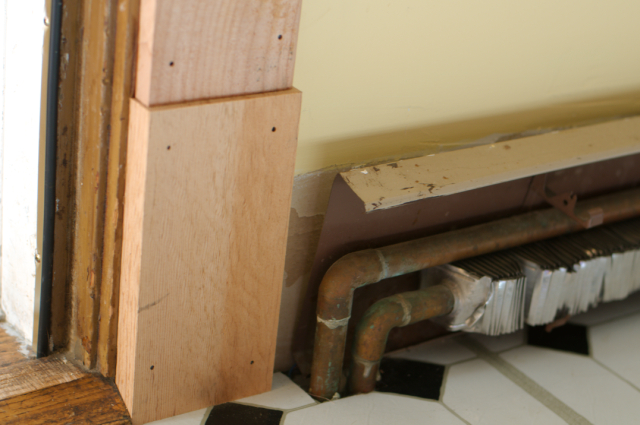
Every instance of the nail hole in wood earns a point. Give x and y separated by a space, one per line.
171 63
251 361
169 147
152 367
280 37
273 129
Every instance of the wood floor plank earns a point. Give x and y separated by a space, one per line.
11 358
52 390
36 374
89 400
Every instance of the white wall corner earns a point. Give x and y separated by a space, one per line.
24 29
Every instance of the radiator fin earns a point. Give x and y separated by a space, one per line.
539 282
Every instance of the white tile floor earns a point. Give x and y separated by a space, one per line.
487 381
482 395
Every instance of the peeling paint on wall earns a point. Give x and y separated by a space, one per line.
311 192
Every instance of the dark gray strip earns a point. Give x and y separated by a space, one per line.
569 415
49 187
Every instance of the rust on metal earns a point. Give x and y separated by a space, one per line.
361 268
566 202
388 313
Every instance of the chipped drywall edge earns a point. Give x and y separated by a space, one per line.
302 243
311 192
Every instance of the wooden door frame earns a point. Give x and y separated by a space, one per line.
96 82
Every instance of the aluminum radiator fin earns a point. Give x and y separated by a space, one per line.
537 283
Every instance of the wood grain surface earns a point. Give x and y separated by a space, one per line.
66 145
122 90
206 213
36 374
89 400
94 75
202 49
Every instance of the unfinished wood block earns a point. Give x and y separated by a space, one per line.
201 49
205 228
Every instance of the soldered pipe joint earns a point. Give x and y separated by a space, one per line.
335 298
370 266
391 312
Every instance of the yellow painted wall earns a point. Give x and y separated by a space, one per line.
396 77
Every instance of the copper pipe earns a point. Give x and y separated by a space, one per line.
391 312
361 268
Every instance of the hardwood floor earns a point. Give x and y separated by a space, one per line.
36 374
89 400
53 390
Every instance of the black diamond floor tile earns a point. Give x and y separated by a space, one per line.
570 337
239 414
411 378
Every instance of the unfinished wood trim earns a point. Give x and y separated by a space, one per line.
205 228
137 149
66 150
202 49
95 74
389 185
122 91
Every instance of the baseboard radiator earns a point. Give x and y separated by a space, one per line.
541 282
492 278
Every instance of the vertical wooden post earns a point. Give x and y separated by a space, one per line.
126 36
206 214
96 83
208 187
94 104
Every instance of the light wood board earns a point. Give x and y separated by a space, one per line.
202 49
396 183
205 227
